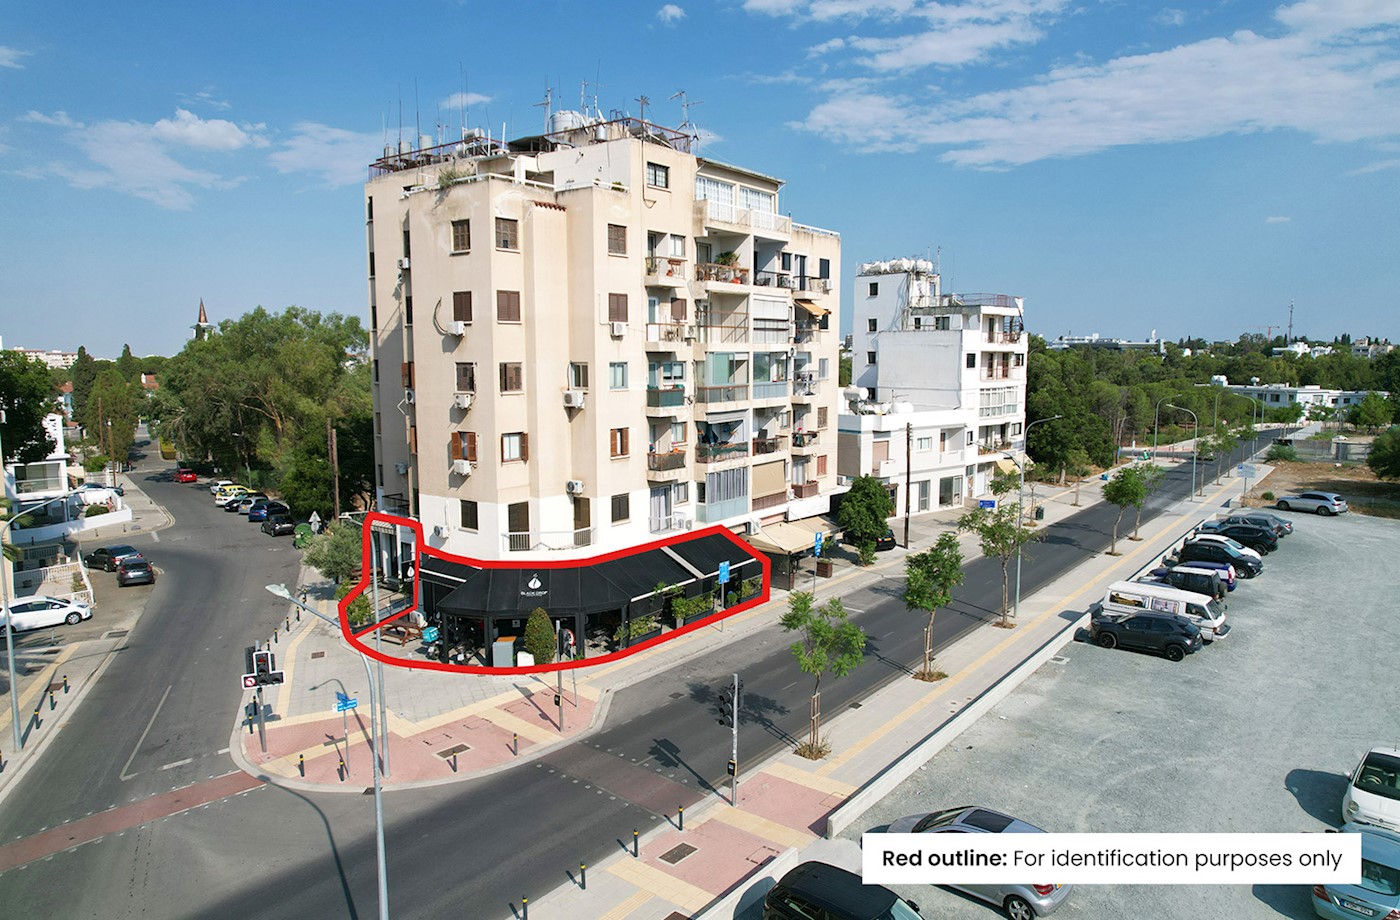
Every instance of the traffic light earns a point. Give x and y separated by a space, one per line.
265 670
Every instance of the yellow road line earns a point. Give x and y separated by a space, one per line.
40 685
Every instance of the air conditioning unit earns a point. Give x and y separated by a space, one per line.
618 329
574 487
410 397
573 399
683 521
690 333
403 264
401 469
457 328
440 531
462 467
462 400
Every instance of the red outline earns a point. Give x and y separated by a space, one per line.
354 637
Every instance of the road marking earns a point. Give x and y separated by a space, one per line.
124 776
178 763
221 751
156 537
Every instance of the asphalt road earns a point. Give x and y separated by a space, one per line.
471 849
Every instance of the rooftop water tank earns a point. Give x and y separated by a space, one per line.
566 120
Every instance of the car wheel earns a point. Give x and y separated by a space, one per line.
1108 640
1323 510
73 619
1282 506
1260 548
1175 653
1018 908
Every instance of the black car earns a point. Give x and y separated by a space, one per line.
108 558
1150 631
1260 539
885 541
816 889
1278 525
135 571
1213 551
278 525
1201 581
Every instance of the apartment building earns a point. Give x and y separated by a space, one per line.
938 399
592 339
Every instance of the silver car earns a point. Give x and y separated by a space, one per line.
1021 902
1316 502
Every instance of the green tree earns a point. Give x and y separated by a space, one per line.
929 580
336 554
1152 478
26 396
1373 413
1222 444
1124 489
844 371
865 512
359 611
129 366
540 640
1384 459
1077 466
827 642
1001 536
84 372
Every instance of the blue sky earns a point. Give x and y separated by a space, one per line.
1190 168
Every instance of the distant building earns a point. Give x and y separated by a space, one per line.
1280 395
1366 347
53 359
1152 343
202 326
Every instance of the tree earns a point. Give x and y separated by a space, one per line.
337 553
929 580
1077 465
865 512
26 396
358 611
1001 536
128 365
1384 459
540 640
1124 489
828 642
1152 476
1222 444
1373 413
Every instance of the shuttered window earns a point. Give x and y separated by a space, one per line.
617 442
617 308
512 379
461 235
507 306
462 306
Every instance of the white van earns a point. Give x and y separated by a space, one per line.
1125 597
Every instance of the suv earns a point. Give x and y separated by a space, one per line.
108 558
815 889
263 507
1246 566
1317 502
1260 539
277 525
1210 582
1171 635
1280 526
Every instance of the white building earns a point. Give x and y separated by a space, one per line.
939 386
1282 395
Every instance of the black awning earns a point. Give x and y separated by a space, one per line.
706 553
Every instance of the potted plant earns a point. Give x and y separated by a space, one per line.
638 629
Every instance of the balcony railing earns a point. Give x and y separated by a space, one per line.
41 484
520 541
768 445
394 504
761 502
729 393
714 512
993 447
1003 337
667 523
804 332
667 332
805 489
726 213
724 333
767 332
996 373
804 439
773 279
665 397
661 267
774 389
770 220
670 460
813 285
714 453
729 274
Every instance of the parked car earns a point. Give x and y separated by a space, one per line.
40 611
1208 581
1378 893
1316 502
1165 633
1373 794
1262 540
1281 527
184 475
108 558
216 484
1246 565
246 502
885 541
135 572
228 494
1124 598
98 487
1234 544
1226 570
277 525
261 509
1021 902
816 889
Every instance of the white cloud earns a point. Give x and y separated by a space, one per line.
190 130
339 157
670 13
774 7
1168 16
9 57
60 119
826 47
952 46
1277 220
458 100
1378 166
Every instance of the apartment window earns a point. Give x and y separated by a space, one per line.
408 311
658 176
680 493
923 444
379 474
469 518
507 306
378 424
578 376
787 262
678 434
870 357
617 240
970 437
824 268
515 446
617 375
373 314
972 359
461 236
874 288
406 373
677 310
507 233
369 209
466 377
942 323
405 244
462 306
821 416
617 442
821 465
870 324
621 508
617 308
677 246
1015 429
1019 360
823 368
374 370
512 378
371 263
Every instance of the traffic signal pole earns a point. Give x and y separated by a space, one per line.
734 749
262 723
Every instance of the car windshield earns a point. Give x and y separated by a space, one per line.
900 911
1379 775
1381 879
937 819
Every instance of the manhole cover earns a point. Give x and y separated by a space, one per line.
1059 659
855 705
677 695
453 751
318 654
114 633
677 853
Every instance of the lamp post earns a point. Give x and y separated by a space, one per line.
282 592
1155 419
1195 445
1020 506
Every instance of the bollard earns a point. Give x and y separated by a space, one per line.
303 600
454 763
342 769
680 818
289 624
515 743
582 877
301 764
635 852
65 683
53 703
524 908
37 722
274 635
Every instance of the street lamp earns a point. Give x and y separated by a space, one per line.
1155 419
1195 444
1020 505
282 592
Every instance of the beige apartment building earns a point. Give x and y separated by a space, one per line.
591 339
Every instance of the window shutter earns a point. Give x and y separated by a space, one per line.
406 370
524 447
457 446
678 309
470 446
624 442
462 306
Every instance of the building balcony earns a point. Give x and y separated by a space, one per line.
669 523
763 223
762 502
394 504
660 271
999 373
807 284
804 333
804 441
734 392
1003 337
659 461
665 397
771 389
992 447
806 389
768 445
780 280
808 489
733 333
716 453
666 336
527 541
713 272
884 469
714 512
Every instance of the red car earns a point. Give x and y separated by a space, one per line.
185 476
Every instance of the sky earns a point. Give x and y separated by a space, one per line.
1126 167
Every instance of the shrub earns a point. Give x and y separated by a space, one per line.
539 637
359 611
1282 452
1267 496
96 463
637 626
751 586
95 510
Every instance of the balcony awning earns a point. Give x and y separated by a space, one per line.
1006 466
781 538
810 307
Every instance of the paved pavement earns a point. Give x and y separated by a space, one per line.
447 728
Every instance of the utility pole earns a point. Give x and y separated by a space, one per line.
335 464
908 473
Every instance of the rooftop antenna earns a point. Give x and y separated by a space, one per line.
1290 321
417 116
547 104
643 101
686 126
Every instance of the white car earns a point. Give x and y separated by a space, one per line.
40 611
1233 544
1373 793
218 484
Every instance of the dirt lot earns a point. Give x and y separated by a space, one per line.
1365 494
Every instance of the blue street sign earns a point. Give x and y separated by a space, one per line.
430 634
987 503
347 703
817 547
724 572
341 697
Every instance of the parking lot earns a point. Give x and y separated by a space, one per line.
1254 733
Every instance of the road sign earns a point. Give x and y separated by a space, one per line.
987 503
817 546
724 572
250 681
341 697
1247 470
342 705
430 634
